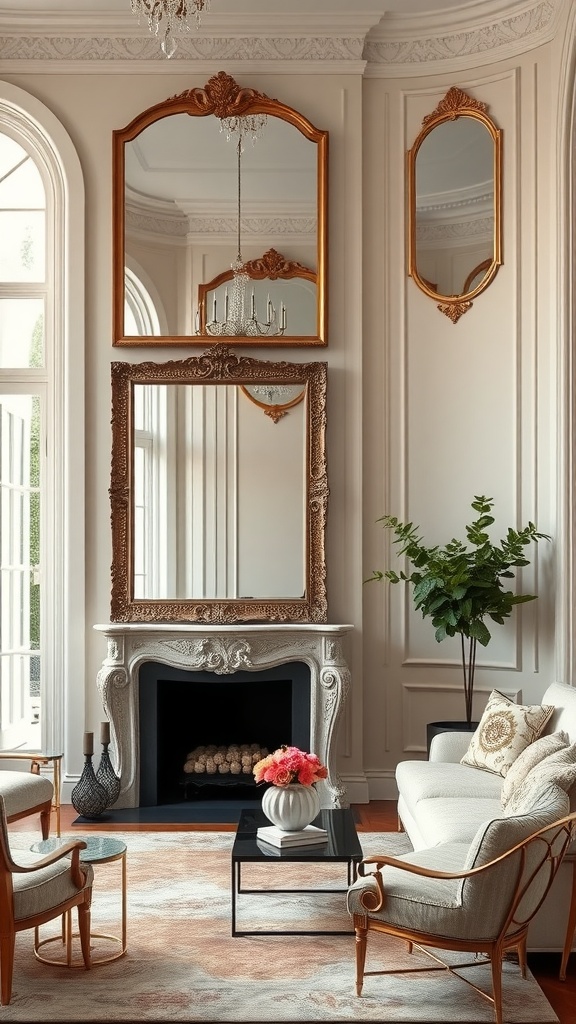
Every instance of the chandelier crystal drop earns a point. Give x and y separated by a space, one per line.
240 312
165 17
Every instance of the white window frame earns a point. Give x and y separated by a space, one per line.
63 595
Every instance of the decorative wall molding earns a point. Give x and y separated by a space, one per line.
402 43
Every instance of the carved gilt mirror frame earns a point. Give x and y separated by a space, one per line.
220 367
273 210
455 203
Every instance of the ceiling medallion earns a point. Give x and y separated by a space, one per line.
165 17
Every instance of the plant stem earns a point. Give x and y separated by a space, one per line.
468 669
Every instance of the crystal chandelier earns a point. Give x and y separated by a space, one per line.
167 16
240 314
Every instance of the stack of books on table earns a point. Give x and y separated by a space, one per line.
287 840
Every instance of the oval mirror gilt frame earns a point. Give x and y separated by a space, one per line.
218 365
221 97
456 104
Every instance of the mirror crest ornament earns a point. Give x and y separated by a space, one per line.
224 374
454 172
143 215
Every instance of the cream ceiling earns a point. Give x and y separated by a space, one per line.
312 7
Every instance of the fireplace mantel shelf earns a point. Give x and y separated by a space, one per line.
223 650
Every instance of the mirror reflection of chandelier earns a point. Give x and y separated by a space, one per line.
164 17
240 318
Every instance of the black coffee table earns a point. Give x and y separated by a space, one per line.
343 846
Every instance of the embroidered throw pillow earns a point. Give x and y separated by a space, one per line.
504 731
558 769
532 755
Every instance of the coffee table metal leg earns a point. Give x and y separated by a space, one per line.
235 883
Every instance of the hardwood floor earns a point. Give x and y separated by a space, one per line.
377 816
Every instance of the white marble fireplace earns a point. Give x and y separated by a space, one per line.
223 650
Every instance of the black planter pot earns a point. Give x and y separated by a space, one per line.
434 728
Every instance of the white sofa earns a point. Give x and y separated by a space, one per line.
442 801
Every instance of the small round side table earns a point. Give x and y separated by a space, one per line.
99 850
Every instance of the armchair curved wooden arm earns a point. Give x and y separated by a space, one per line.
520 879
32 894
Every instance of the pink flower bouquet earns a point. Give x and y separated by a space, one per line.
288 765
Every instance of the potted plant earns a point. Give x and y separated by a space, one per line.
460 587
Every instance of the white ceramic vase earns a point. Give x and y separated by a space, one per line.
291 807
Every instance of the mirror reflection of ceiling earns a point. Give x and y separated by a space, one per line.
455 167
188 162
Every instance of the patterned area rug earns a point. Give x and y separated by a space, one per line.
183 964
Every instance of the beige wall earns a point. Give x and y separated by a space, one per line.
422 413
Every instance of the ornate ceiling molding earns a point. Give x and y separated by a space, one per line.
377 44
403 44
77 43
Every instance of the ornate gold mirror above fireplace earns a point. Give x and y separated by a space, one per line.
212 179
218 512
455 203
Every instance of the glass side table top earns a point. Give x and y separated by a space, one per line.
98 848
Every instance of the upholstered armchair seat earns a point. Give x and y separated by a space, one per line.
25 793
47 888
23 790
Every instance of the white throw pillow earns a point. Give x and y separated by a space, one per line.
532 755
504 731
558 769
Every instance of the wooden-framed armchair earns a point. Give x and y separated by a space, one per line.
476 899
35 890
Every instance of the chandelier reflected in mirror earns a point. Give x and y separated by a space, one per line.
240 315
165 17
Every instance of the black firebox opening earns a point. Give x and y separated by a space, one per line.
180 710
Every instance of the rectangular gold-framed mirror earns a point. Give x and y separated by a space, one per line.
218 490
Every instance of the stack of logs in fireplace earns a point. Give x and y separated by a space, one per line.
234 759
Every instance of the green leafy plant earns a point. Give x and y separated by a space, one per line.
459 586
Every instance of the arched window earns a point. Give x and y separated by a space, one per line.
41 426
140 313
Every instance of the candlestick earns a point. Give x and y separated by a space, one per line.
214 309
283 317
226 306
253 305
88 744
105 732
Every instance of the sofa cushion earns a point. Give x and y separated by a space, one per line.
454 819
532 755
528 797
421 780
558 769
504 731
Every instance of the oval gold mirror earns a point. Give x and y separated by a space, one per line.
455 203
218 512
204 184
